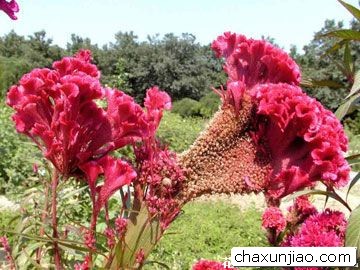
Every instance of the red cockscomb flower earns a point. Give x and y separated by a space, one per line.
268 136
10 8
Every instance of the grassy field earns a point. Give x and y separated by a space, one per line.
207 230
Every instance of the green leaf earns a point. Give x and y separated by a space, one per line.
352 236
143 232
353 10
356 86
334 48
347 59
353 159
331 194
159 263
343 34
310 83
352 183
348 107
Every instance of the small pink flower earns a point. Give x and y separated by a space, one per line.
89 239
120 226
110 235
140 256
10 8
84 265
300 211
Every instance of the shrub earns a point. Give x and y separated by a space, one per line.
209 104
186 107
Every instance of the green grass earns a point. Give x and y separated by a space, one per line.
207 230
178 132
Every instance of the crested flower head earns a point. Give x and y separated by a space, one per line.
57 108
268 135
10 8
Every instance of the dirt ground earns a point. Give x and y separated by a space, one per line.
258 201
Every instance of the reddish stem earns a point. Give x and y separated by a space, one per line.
43 220
54 184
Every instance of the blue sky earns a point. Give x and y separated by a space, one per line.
288 21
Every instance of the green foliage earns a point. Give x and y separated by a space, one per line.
353 123
209 231
352 238
186 107
205 107
179 132
209 104
17 155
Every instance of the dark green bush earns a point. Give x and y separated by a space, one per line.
205 107
209 104
186 107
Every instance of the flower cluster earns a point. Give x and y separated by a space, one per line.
268 136
304 226
274 222
325 229
273 219
163 178
10 8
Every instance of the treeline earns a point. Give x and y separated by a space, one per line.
177 64
180 65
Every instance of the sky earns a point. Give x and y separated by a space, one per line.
290 22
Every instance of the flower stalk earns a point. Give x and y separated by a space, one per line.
54 185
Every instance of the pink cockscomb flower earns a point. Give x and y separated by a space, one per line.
274 222
210 265
10 8
57 109
306 142
5 244
325 229
268 136
273 219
